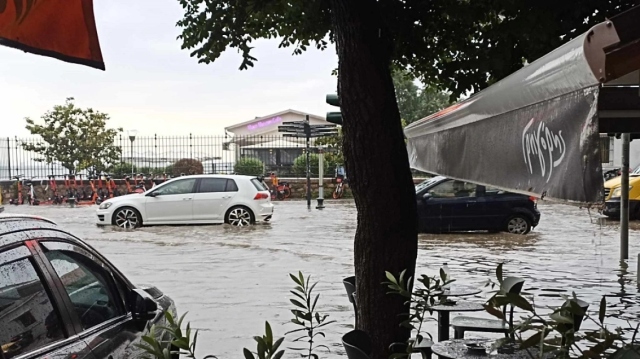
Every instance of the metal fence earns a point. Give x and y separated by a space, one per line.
158 154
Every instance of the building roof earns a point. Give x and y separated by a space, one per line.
241 124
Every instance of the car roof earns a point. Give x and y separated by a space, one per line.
16 228
215 176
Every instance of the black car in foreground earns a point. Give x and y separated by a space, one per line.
59 298
447 205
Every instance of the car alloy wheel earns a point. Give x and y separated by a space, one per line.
239 217
518 225
127 218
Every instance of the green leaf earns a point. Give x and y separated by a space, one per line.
533 340
279 355
298 304
296 280
248 354
391 278
494 311
519 301
603 309
558 317
269 335
499 273
277 344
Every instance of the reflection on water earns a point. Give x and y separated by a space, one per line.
231 280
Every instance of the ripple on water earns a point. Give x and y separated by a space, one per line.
231 280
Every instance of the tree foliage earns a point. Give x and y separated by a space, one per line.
300 165
187 166
76 138
458 45
416 101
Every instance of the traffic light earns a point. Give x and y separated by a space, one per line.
334 117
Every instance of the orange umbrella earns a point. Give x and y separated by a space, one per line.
63 29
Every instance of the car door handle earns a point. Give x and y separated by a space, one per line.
226 197
187 199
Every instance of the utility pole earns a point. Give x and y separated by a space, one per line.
307 132
624 199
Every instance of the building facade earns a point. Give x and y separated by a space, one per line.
260 138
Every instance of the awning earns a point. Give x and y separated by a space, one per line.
64 29
537 131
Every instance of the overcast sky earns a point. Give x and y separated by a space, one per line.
153 86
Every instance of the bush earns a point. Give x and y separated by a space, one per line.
300 166
249 166
188 166
122 169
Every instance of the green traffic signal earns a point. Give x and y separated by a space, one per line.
334 117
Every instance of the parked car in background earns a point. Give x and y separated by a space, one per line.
447 205
613 192
197 199
59 298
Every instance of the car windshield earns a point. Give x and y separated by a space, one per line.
636 171
422 185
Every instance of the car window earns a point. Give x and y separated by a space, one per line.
178 187
259 185
232 186
491 191
208 185
422 185
28 320
87 286
453 189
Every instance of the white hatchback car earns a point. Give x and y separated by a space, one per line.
198 199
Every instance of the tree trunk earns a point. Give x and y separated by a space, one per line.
377 166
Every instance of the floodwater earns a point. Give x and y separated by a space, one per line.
232 280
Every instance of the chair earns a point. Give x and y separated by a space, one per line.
357 344
350 287
463 324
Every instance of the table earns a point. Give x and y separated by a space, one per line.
443 315
460 291
455 349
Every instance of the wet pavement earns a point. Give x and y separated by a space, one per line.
231 280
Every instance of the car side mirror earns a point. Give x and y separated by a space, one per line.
427 196
143 307
152 194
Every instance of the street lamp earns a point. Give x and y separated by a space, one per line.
132 137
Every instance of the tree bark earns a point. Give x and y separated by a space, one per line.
378 169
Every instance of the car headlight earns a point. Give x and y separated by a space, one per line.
618 192
105 205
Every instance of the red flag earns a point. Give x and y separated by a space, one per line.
64 29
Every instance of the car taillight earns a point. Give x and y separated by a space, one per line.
261 195
533 199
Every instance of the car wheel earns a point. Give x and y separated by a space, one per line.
518 224
239 216
127 218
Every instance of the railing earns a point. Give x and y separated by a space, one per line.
158 155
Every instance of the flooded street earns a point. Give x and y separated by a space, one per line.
231 280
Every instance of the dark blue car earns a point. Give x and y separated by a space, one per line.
447 205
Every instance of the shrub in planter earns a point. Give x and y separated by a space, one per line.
249 166
188 166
